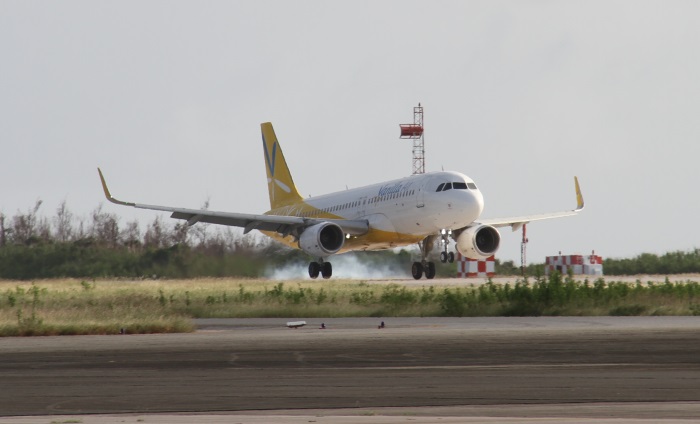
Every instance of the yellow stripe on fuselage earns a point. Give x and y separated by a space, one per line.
374 239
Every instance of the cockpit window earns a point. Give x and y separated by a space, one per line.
457 185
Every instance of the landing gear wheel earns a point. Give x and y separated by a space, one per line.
326 270
443 257
430 271
451 257
314 269
417 270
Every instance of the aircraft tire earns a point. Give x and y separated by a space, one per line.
326 270
417 270
430 271
443 257
451 257
314 269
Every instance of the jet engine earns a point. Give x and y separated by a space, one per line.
322 239
478 242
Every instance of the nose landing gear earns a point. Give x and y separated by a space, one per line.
446 256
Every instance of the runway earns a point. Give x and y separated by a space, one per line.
573 368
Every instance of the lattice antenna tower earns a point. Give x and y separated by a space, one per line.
523 252
414 132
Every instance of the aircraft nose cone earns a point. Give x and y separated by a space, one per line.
479 199
471 205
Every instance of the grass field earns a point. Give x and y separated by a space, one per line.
62 307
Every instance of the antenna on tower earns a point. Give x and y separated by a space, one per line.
414 132
523 251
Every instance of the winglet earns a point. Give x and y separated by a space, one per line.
108 195
579 196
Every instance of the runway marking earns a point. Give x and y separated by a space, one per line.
511 366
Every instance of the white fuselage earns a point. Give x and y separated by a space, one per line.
401 211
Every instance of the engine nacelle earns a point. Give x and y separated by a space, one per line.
322 239
478 242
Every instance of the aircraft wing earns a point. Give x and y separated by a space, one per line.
517 222
283 224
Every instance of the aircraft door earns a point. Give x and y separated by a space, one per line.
362 207
420 198
420 194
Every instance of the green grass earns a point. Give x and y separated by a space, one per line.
63 307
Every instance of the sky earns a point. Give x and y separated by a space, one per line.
167 98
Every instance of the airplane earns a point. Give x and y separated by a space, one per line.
421 208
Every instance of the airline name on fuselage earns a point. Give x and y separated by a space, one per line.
387 189
394 188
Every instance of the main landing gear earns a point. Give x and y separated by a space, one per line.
424 266
324 268
419 268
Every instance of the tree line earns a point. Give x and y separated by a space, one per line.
677 262
34 246
66 245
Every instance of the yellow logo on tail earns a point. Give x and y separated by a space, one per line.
283 192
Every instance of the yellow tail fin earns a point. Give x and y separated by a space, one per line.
279 180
